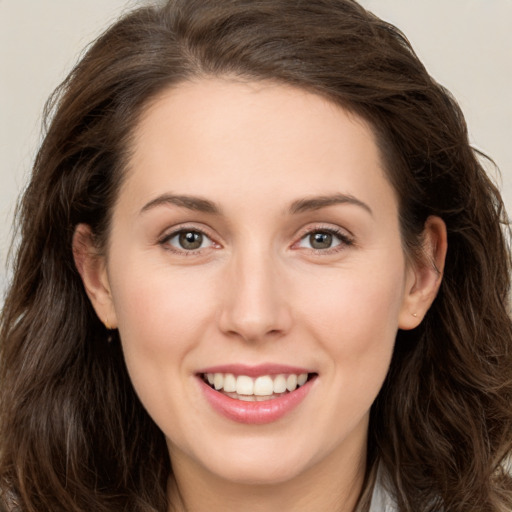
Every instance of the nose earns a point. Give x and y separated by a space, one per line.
255 303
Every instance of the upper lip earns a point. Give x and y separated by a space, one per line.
255 370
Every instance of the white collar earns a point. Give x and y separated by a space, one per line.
382 500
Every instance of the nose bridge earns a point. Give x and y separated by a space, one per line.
255 305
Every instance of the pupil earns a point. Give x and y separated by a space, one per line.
191 240
321 240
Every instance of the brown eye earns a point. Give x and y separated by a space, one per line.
324 239
321 240
188 240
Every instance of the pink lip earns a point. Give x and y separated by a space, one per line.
255 371
255 413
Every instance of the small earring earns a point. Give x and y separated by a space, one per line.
415 315
109 328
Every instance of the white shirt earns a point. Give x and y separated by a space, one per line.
381 500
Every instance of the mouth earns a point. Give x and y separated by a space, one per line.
256 395
259 388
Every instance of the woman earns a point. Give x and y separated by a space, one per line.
260 268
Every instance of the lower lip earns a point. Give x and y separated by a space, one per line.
255 413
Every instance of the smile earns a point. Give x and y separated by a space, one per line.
264 387
264 396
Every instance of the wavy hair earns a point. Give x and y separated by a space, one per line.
74 436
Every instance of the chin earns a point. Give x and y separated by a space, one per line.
256 474
257 465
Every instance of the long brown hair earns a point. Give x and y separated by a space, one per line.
73 434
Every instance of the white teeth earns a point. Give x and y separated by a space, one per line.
291 382
280 383
244 385
218 381
301 379
246 398
262 386
229 383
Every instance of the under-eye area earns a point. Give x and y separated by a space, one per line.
258 389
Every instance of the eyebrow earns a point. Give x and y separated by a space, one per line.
299 206
318 202
190 202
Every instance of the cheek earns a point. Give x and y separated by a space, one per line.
355 319
363 306
155 299
160 322
357 330
160 317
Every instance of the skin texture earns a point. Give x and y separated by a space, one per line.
256 291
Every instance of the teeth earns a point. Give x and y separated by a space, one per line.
302 378
280 383
244 385
291 382
262 386
229 383
218 381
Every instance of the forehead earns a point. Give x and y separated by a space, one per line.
210 136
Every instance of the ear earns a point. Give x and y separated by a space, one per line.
93 270
424 276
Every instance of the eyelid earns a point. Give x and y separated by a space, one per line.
345 237
169 234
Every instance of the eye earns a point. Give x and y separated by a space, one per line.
324 239
188 240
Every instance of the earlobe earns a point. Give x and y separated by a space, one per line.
92 269
424 276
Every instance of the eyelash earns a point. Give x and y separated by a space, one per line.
165 241
344 240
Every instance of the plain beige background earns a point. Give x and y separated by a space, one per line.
465 44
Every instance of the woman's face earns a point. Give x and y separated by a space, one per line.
256 236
